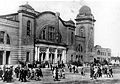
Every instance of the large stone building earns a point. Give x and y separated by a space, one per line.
29 35
102 54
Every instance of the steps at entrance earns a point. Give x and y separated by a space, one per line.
47 72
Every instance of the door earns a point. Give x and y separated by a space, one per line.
7 57
1 57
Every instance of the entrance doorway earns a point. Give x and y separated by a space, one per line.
1 57
7 57
51 57
59 57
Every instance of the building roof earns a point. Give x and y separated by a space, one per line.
85 10
27 6
70 21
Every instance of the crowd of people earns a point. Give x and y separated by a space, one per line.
58 71
97 71
7 73
28 72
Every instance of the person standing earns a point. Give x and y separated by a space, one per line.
111 72
1 73
56 77
91 72
82 71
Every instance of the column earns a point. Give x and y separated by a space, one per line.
47 54
38 51
56 56
42 56
4 57
64 56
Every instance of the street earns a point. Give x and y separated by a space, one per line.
72 78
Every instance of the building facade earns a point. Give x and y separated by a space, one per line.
102 54
29 35
115 61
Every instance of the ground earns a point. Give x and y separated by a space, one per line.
72 78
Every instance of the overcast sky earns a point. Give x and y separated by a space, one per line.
106 13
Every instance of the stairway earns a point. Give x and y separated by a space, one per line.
47 72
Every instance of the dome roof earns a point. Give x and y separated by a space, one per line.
85 10
27 6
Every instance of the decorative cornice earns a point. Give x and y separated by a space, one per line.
50 43
84 23
81 19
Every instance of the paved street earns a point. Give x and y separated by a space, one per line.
72 78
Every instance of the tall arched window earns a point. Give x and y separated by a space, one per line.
43 34
8 39
28 27
49 33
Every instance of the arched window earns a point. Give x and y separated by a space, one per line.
43 34
79 48
71 37
2 36
98 52
49 33
28 27
8 39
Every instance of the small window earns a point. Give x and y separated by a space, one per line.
81 49
76 56
98 52
82 31
82 57
71 57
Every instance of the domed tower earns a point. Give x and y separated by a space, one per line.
85 29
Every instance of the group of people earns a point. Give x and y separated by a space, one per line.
99 71
58 71
74 69
6 73
21 73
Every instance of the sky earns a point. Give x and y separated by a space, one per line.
106 13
